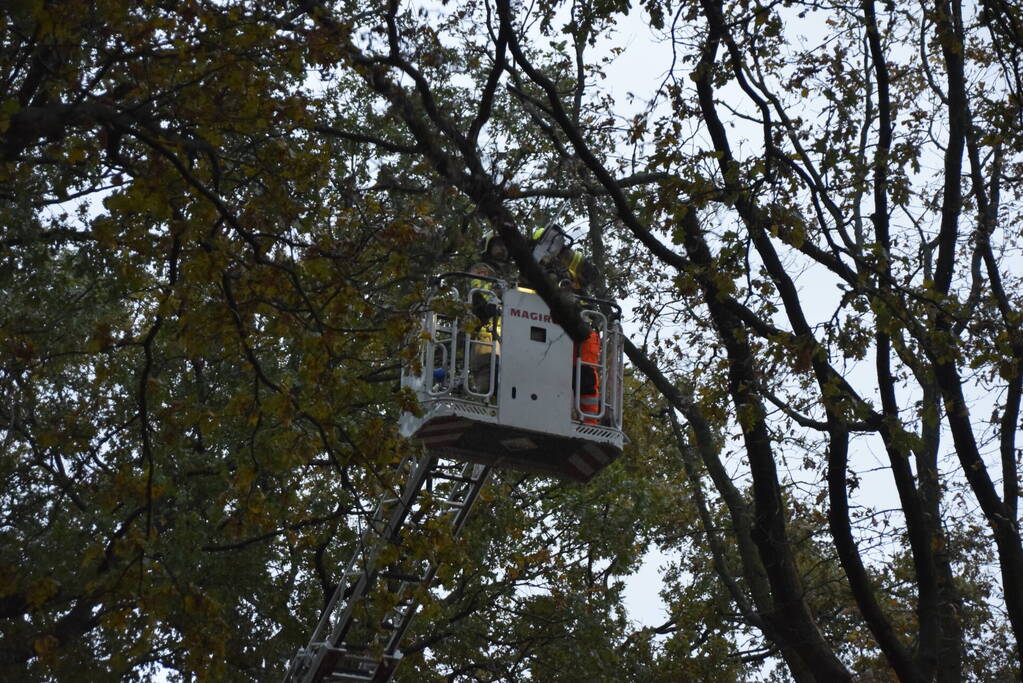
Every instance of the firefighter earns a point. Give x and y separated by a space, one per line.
486 337
573 271
493 263
494 253
552 250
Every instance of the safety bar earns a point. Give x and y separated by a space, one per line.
615 348
436 281
446 346
475 346
601 302
457 348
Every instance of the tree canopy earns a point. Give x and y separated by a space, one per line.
218 219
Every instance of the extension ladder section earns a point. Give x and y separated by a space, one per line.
358 636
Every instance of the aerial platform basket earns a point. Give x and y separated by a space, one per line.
499 383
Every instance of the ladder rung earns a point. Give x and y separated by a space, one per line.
346 676
349 650
354 647
454 477
401 609
400 576
363 665
350 662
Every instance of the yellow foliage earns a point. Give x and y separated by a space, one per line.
41 590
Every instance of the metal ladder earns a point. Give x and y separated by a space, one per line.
353 641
